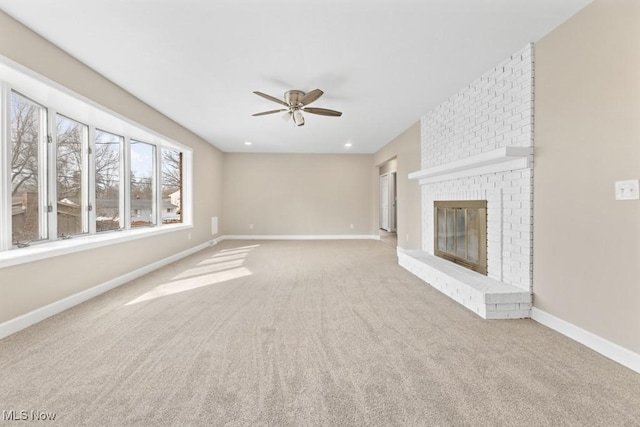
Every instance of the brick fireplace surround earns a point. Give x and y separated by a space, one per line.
478 145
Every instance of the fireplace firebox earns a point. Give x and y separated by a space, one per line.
461 233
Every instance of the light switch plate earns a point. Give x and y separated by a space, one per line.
628 190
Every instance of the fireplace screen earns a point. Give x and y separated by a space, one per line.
461 233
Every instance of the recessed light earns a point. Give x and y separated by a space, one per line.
347 145
248 143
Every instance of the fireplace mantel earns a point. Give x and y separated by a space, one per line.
499 160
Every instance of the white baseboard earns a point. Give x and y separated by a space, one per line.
299 237
21 322
608 349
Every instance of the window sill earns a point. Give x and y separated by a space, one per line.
63 247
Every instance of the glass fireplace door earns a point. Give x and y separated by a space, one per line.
461 233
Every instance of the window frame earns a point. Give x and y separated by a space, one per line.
155 201
44 180
161 182
57 99
93 131
85 200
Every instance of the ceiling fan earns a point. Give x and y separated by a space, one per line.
296 102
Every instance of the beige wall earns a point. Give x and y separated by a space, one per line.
587 135
297 194
26 287
405 149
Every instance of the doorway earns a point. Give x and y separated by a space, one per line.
388 202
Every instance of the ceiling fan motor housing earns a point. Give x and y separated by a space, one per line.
293 97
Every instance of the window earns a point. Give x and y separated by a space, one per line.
71 169
142 184
72 144
107 182
28 180
171 185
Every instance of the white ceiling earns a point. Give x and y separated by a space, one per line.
382 63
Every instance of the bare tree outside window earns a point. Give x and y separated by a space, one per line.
171 186
142 184
71 147
107 158
28 134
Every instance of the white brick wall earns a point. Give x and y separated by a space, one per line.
488 298
494 111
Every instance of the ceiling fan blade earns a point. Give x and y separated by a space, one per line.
323 112
311 96
271 98
269 112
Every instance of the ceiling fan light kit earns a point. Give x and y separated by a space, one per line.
296 102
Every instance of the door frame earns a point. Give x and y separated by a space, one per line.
384 197
388 210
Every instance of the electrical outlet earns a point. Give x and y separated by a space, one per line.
627 190
351 226
250 226
189 236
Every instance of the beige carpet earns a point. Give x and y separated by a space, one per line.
303 333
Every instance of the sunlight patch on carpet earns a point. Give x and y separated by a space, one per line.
219 258
206 269
192 283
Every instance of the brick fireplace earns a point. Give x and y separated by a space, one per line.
478 146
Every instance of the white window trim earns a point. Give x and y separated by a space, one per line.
91 196
52 188
44 164
78 244
58 98
5 170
